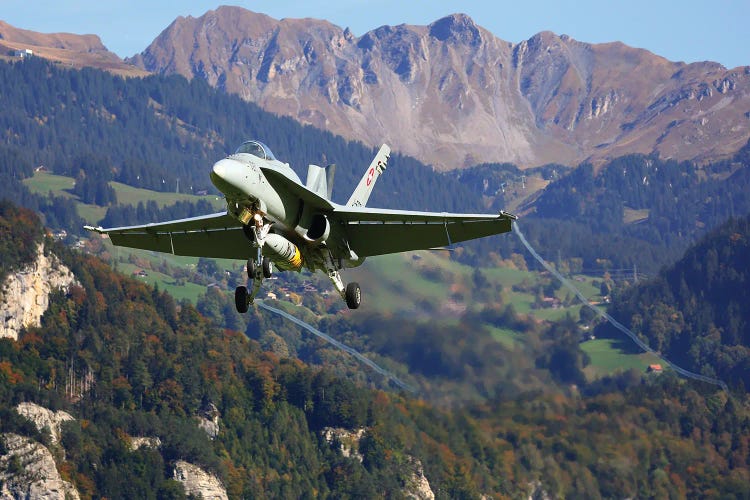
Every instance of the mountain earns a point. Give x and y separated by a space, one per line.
454 95
66 48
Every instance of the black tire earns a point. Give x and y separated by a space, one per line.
267 269
251 268
353 295
240 299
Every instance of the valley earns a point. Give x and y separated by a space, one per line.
519 390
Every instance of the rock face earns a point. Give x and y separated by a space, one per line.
209 420
417 485
453 94
136 443
45 419
199 482
347 441
26 293
27 470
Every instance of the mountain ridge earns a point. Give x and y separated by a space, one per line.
459 94
65 48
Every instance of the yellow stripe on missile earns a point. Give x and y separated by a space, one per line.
296 260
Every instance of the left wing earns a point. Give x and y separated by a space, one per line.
217 235
372 231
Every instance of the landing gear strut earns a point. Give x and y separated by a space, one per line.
258 267
351 293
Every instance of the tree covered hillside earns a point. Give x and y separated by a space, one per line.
128 361
150 132
695 311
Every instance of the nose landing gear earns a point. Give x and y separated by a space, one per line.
258 267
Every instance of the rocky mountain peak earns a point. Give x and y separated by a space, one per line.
458 28
452 94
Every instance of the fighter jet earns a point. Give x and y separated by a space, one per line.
272 219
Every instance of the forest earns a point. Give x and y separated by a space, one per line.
156 364
156 132
695 311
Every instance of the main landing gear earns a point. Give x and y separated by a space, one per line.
259 267
351 293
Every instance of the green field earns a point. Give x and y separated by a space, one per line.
128 195
44 182
190 291
607 358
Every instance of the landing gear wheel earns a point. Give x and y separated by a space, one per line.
267 269
251 268
353 295
240 299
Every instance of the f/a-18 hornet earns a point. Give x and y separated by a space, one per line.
272 217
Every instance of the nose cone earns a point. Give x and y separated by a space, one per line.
228 176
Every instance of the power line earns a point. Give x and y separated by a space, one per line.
339 345
614 322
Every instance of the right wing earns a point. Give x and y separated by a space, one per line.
372 231
217 235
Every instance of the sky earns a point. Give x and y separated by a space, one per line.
687 30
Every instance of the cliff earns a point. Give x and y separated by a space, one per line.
26 293
199 482
27 470
44 419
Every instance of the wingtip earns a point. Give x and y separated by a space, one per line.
508 215
98 229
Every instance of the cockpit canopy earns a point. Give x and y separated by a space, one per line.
256 148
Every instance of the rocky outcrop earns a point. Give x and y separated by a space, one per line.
208 420
345 440
453 94
136 443
26 293
45 419
198 482
416 484
27 470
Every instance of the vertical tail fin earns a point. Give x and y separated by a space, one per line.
330 173
362 192
320 180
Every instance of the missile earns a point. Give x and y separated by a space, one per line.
282 252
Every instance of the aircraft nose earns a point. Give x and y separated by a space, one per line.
230 177
219 170
223 175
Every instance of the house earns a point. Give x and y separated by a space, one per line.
140 273
656 368
23 53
